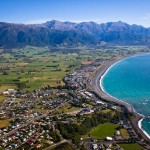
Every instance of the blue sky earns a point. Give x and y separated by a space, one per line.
100 11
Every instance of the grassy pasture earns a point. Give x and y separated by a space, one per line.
134 146
66 108
124 132
103 130
35 67
105 111
30 68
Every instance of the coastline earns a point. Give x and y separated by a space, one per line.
140 126
98 89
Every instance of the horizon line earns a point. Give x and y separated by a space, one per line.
38 22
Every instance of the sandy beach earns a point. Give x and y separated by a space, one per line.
95 86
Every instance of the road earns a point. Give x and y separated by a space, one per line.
29 122
55 145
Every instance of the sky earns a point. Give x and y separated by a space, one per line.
100 11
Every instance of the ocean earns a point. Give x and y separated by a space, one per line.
129 80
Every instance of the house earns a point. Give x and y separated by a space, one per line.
109 138
94 146
117 132
5 92
38 146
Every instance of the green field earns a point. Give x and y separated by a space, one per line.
131 146
66 108
108 111
103 130
30 68
124 133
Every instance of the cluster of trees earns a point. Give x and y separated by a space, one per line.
5 73
74 131
70 131
54 66
73 65
21 85
56 136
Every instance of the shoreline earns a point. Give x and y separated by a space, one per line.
140 126
98 89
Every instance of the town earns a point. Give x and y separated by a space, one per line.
48 117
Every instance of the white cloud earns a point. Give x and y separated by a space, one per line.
147 17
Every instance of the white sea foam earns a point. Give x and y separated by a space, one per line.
101 86
144 103
140 126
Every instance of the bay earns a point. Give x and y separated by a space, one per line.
129 80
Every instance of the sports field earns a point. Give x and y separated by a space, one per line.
103 130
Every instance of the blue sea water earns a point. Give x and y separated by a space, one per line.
129 80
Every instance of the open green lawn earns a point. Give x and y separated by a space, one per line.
124 132
103 130
108 111
65 109
131 146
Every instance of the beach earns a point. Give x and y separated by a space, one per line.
97 88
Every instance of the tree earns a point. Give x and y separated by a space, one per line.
21 85
5 73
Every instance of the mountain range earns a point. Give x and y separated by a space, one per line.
53 33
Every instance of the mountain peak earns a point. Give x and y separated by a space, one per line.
53 21
58 25
56 32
